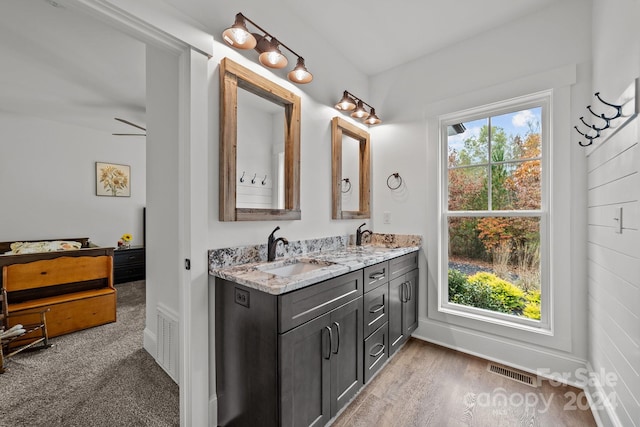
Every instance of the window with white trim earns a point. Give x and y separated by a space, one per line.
495 212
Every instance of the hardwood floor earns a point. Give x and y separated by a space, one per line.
428 385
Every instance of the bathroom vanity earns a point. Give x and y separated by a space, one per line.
297 339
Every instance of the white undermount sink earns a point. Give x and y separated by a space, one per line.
293 269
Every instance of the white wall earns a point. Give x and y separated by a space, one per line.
163 193
539 52
614 166
47 182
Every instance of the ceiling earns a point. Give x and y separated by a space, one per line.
62 65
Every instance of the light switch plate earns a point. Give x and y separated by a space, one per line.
617 217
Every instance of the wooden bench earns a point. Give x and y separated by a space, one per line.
77 290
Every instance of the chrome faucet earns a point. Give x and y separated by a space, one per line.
272 243
360 233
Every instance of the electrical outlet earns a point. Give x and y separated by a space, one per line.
386 217
242 297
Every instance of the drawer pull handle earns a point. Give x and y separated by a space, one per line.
376 309
132 257
338 331
410 289
379 352
328 356
376 276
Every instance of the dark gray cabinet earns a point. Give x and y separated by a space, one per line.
293 359
297 358
376 310
306 380
403 308
321 364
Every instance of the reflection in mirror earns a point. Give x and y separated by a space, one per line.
260 153
350 160
350 171
259 147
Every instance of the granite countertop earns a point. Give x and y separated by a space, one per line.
332 263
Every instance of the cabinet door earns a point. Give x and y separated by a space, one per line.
305 374
410 306
397 291
346 353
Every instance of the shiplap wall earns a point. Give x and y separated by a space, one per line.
614 272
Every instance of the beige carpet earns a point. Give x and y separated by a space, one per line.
97 377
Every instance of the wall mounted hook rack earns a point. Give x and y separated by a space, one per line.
626 107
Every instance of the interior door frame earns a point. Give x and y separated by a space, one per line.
125 16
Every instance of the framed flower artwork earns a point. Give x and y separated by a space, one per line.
113 180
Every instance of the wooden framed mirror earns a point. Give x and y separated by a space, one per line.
248 190
350 170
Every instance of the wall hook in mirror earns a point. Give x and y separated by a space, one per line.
264 181
398 179
242 177
347 182
617 107
253 180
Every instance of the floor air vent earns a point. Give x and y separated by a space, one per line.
513 374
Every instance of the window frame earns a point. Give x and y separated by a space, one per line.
541 100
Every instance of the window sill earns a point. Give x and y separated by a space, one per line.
476 315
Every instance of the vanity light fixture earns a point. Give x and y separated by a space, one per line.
350 102
267 46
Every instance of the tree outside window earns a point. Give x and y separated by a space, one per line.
493 213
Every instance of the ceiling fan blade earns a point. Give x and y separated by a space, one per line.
129 123
129 134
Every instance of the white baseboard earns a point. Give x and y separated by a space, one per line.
533 359
603 412
149 342
213 411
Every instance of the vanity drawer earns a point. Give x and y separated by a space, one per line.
300 306
403 264
376 309
375 351
376 275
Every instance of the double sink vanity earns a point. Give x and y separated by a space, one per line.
298 337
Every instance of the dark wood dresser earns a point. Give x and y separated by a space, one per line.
128 264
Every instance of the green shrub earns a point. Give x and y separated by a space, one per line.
506 297
532 308
457 282
488 291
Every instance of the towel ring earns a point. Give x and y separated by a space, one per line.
348 182
397 176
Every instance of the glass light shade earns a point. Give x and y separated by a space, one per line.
238 36
273 58
372 119
359 112
300 74
346 103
